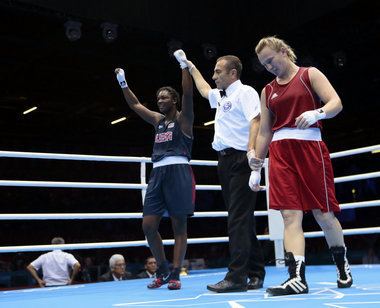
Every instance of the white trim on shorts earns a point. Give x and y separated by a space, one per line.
171 160
311 134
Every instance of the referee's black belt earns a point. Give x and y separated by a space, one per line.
228 151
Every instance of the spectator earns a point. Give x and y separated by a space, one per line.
89 270
117 270
150 268
55 266
370 257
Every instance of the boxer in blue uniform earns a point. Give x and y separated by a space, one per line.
171 187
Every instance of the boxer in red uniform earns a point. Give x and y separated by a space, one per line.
300 171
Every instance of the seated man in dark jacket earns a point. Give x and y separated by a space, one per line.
117 270
150 268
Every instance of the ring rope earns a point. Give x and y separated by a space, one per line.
143 186
60 184
73 216
41 155
204 240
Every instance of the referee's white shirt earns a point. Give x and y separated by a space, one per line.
55 267
233 115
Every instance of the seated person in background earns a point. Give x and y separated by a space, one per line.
150 268
56 266
117 270
89 272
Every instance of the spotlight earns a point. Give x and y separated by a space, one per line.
109 31
118 120
209 123
73 30
173 45
340 59
209 51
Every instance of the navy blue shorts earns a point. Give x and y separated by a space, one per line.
171 188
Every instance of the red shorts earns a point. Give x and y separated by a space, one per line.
301 176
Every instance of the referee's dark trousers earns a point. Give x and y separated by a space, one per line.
245 251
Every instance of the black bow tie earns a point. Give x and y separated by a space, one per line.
222 93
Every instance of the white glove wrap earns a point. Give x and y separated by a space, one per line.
254 180
121 78
254 163
181 58
313 116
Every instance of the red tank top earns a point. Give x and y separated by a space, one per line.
288 101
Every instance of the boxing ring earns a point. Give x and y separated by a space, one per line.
364 293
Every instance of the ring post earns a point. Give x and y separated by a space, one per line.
275 223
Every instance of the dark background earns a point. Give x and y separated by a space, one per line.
74 87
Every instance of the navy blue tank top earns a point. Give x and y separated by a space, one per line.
170 141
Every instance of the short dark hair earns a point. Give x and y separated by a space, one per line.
58 240
147 259
172 92
233 62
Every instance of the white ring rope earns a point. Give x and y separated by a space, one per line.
82 157
40 155
142 186
357 177
58 184
204 240
355 151
73 216
89 185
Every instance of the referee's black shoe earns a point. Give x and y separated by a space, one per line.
226 286
255 283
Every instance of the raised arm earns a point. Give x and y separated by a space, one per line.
146 114
201 84
186 116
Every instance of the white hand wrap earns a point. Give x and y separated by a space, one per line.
254 180
313 116
121 77
181 58
254 163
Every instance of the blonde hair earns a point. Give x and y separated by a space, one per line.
276 44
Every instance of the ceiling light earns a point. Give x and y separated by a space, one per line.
73 30
340 59
118 120
209 123
209 51
29 110
109 31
